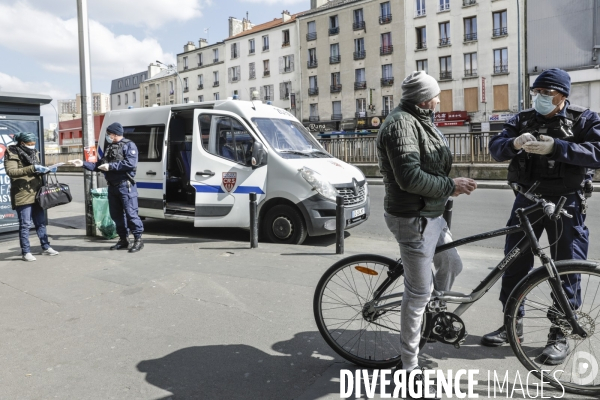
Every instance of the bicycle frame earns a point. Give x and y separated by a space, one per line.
467 300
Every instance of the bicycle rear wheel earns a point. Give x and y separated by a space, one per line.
344 310
579 372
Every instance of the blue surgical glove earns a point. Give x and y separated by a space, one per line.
53 170
41 169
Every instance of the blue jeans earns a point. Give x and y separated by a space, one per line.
27 214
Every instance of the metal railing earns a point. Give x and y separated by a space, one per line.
420 12
216 60
445 41
445 75
313 91
385 19
469 37
383 50
311 36
421 45
336 117
334 31
358 25
186 89
387 81
251 51
470 73
216 83
500 69
469 2
267 98
469 147
334 59
285 44
359 55
500 32
312 64
444 7
335 88
267 73
360 85
200 86
157 95
313 118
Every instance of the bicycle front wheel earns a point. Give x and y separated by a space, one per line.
361 330
544 323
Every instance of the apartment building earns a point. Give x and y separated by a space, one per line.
573 28
472 48
161 87
261 63
125 91
352 55
202 70
68 106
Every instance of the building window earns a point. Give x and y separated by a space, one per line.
186 99
500 28
470 64
444 5
311 29
334 53
185 63
420 8
386 44
267 92
471 99
215 78
359 49
215 55
422 66
252 69
334 25
470 29
127 82
360 79
120 84
314 112
118 99
336 107
388 105
421 37
200 59
285 88
200 82
233 74
286 64
265 41
135 80
216 96
134 97
336 82
500 97
387 75
361 108
234 50
186 87
126 98
266 68
172 86
359 22
312 58
444 33
285 38
251 47
445 68
313 88
385 15
500 61
200 98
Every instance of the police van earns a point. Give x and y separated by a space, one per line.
200 162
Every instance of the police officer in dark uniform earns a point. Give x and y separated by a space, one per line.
119 164
557 144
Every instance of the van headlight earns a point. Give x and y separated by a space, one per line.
319 183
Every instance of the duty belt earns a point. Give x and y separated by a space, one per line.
116 184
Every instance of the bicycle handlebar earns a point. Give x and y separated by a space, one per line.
551 210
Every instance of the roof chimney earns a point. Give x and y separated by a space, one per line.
153 69
189 46
202 43
285 15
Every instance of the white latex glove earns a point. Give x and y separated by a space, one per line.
77 163
521 140
544 146
104 167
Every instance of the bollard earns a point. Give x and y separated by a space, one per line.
340 224
253 222
448 212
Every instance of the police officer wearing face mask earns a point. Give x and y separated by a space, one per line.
119 164
557 144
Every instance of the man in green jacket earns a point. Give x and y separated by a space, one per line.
415 161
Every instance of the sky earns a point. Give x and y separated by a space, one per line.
39 49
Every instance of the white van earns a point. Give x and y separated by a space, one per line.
200 161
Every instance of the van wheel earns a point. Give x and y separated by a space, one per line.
284 224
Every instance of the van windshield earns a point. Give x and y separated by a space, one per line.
290 138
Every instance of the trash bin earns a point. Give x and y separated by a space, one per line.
102 219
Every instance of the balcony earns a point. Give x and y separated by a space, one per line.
235 78
385 19
336 117
445 75
251 51
420 12
267 73
334 59
265 48
334 31
285 44
500 69
383 50
312 63
387 81
500 32
359 85
200 86
313 91
215 60
287 69
313 118
470 73
421 45
186 89
445 42
467 3
335 88
267 98
360 114
357 26
444 7
470 37
216 83
311 36
359 55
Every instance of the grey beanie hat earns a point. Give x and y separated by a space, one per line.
419 87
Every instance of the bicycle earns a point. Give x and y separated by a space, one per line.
357 306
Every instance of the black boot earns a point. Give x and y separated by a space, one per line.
556 350
122 244
499 336
138 244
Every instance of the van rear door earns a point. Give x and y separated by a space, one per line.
221 170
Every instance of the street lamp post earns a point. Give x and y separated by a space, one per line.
171 67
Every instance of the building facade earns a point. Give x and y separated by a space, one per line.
352 57
202 71
67 106
573 28
100 103
125 91
161 87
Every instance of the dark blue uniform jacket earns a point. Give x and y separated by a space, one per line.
118 170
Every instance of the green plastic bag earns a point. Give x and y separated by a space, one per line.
102 219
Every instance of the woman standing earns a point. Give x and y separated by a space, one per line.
22 165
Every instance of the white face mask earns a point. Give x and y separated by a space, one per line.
30 147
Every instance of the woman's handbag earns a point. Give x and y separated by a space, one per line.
53 194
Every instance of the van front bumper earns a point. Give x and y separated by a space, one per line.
319 215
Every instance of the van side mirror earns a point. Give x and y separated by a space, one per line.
259 155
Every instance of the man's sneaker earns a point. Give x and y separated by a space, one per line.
556 350
420 381
28 257
50 252
499 336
